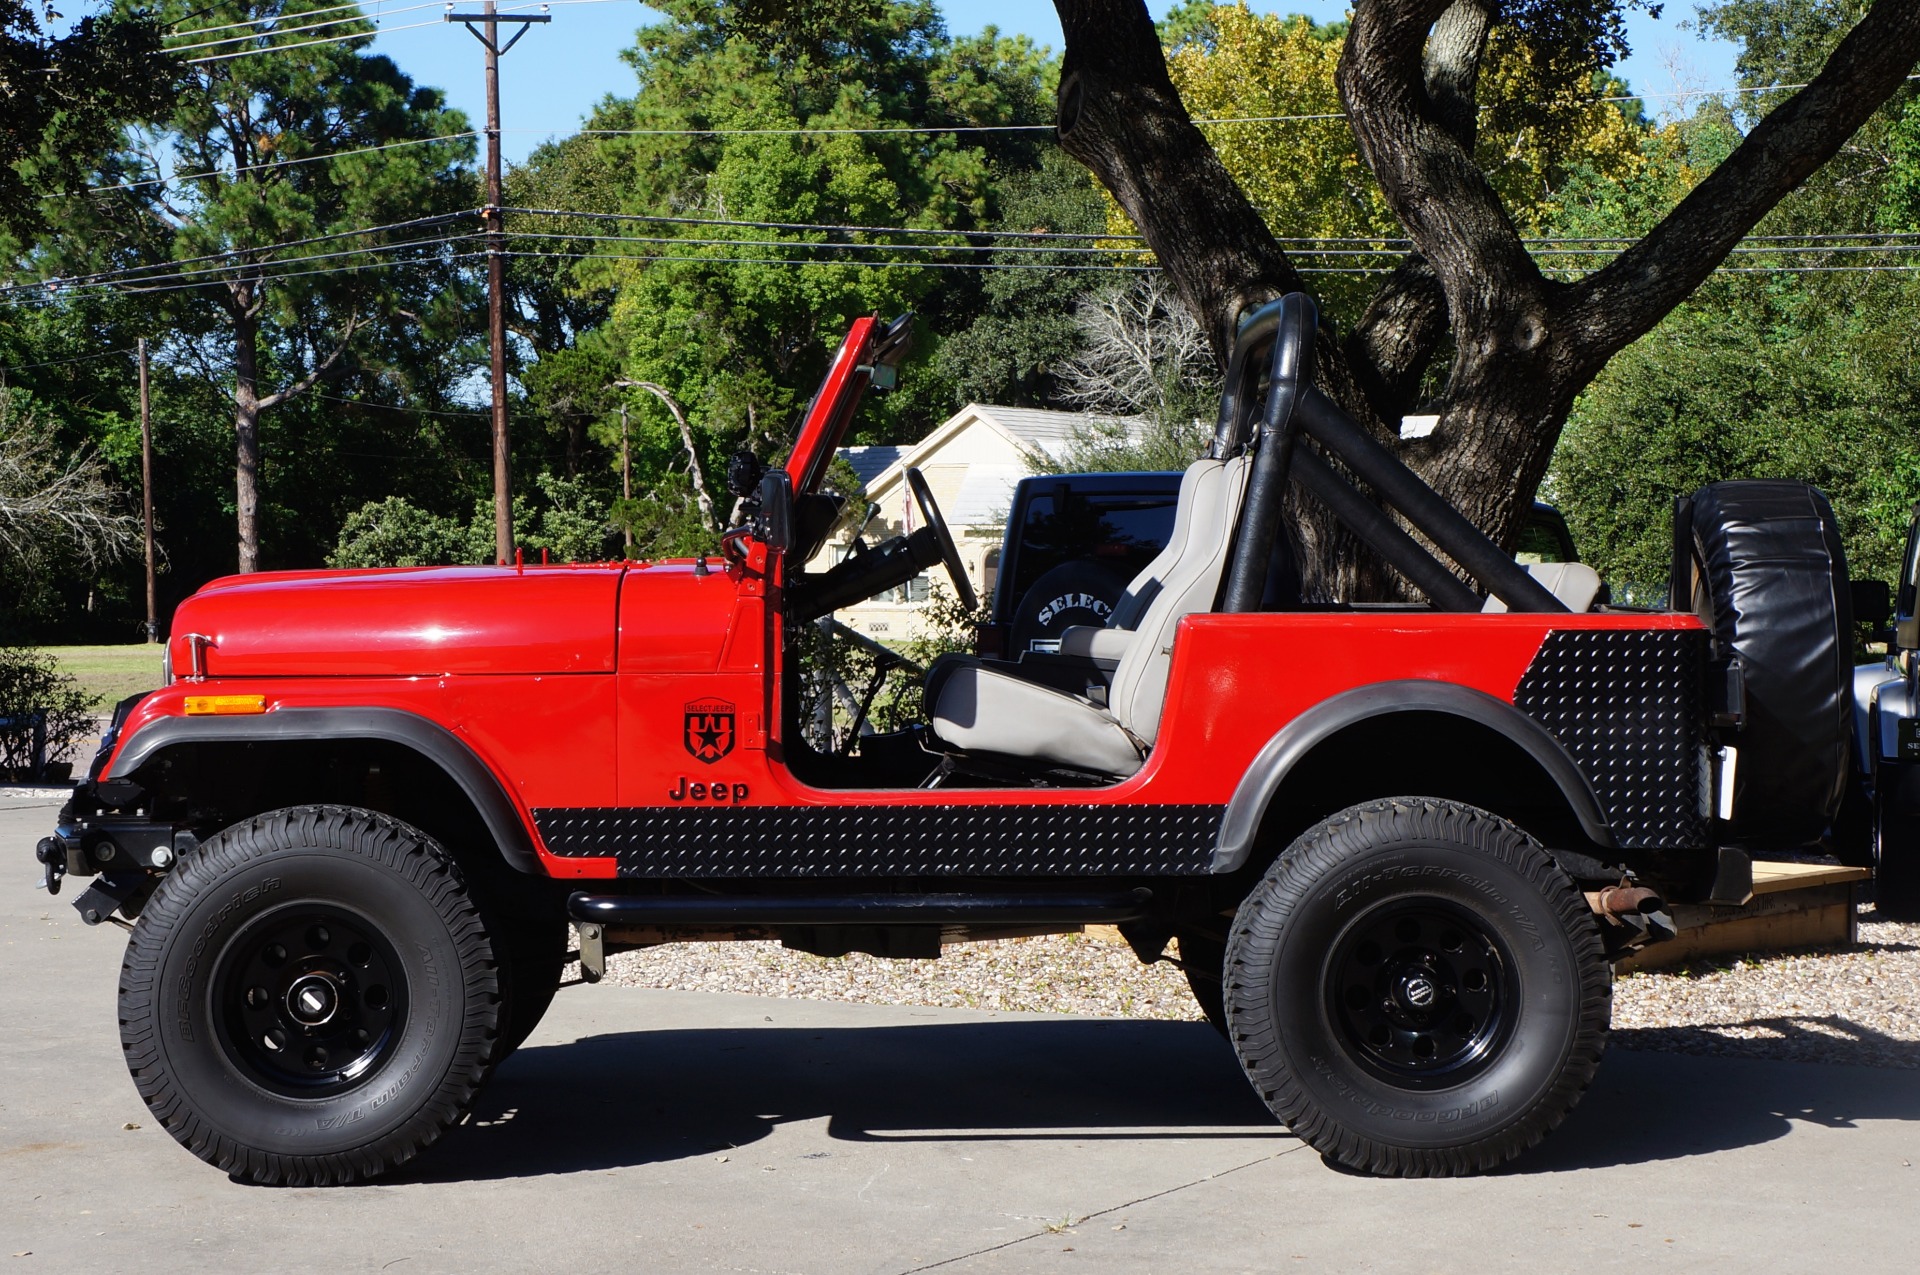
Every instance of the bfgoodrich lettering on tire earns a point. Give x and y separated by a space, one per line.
1416 988
310 997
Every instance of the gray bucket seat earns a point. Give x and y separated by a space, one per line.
978 707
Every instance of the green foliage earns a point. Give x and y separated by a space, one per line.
62 97
567 522
1011 354
394 533
1754 379
738 325
31 683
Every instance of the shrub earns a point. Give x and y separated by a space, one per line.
31 682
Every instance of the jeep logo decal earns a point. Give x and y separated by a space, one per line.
709 732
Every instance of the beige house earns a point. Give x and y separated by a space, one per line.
971 463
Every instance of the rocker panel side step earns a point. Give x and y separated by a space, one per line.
862 909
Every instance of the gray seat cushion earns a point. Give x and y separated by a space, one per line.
979 708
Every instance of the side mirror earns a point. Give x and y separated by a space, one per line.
744 472
1872 603
773 522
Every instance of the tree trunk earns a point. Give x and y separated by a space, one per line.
246 428
1523 346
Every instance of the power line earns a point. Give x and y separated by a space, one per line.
283 163
164 283
311 26
254 22
273 247
306 44
78 358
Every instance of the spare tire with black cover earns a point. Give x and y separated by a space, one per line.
1769 577
1074 593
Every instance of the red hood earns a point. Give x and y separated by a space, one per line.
407 621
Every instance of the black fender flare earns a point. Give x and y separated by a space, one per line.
1241 822
300 725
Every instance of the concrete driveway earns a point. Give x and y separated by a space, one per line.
663 1131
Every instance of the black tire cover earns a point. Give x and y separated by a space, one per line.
1771 583
1080 592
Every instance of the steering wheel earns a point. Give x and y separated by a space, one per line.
949 552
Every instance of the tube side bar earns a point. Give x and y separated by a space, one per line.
862 909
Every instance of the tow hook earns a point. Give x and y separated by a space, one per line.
53 854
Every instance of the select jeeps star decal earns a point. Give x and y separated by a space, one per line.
709 731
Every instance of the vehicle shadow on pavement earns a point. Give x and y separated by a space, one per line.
1648 1106
634 1098
640 1097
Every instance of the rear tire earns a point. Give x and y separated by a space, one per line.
1203 960
1416 989
310 997
533 955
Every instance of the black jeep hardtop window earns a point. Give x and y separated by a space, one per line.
1121 530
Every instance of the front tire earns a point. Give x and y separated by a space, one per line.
310 998
1416 989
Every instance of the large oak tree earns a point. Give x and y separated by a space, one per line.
1468 307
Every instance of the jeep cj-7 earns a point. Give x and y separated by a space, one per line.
1395 847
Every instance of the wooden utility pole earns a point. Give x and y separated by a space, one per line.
488 33
146 494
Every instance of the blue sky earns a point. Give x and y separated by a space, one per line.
557 74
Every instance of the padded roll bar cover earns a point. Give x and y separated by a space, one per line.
1240 395
1771 583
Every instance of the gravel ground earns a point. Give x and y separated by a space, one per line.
1857 1005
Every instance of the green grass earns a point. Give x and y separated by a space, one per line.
111 673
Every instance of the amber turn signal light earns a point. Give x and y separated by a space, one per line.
225 705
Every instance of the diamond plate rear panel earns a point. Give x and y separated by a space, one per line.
1626 704
929 841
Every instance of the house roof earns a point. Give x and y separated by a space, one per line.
871 462
1032 430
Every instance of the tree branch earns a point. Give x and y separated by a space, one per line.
312 378
694 469
1120 115
1618 303
1428 174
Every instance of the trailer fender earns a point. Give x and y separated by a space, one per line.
1308 731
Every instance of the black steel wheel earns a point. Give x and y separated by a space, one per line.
1422 991
1416 989
310 997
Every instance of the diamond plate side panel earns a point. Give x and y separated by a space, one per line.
1626 704
836 841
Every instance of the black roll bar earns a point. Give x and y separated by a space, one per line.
1420 505
1236 400
1294 406
1382 534
1291 374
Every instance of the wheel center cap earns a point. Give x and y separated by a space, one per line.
1418 991
312 1000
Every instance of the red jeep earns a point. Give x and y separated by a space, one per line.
1395 847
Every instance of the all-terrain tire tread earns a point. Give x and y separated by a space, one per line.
414 856
1264 915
